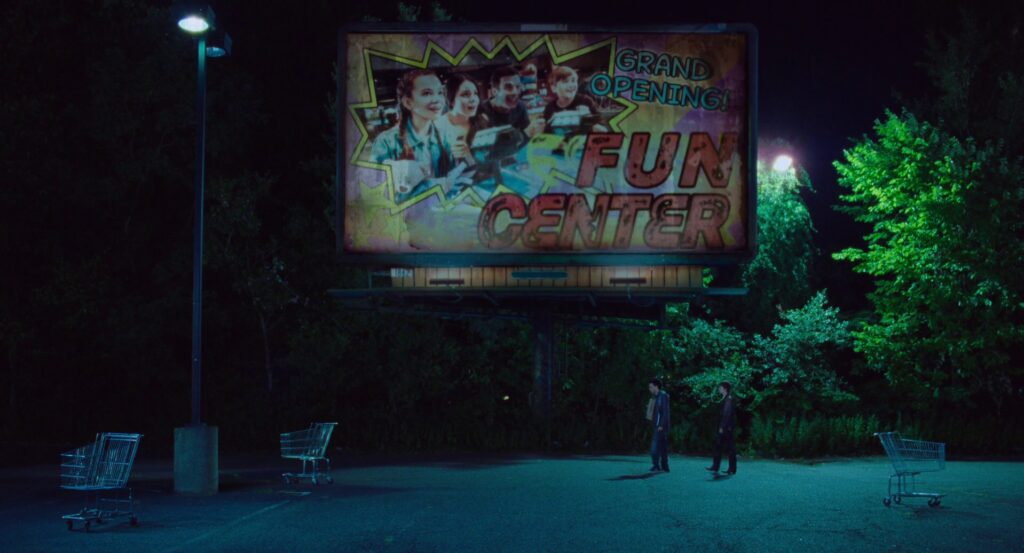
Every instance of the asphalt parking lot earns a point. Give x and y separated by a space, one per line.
531 503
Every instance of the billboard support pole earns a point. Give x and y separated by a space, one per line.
543 360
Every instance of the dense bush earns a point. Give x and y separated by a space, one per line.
808 437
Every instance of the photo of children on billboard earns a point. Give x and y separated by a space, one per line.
534 143
467 127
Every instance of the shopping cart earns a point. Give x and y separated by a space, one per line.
910 458
310 447
101 467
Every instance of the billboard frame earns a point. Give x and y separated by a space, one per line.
545 259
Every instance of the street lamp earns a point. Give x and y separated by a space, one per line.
194 24
194 17
195 447
218 44
782 163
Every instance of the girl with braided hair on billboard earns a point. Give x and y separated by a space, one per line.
419 155
464 118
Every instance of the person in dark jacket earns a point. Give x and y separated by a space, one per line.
725 431
661 420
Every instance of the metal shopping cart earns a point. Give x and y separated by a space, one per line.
910 458
310 447
101 467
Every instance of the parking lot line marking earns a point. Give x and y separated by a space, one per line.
180 546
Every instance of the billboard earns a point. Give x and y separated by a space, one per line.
546 147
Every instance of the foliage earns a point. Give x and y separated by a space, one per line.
789 371
976 72
944 248
803 436
603 375
795 365
969 434
779 276
412 12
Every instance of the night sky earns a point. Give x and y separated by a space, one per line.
827 71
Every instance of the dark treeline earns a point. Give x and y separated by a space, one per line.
97 141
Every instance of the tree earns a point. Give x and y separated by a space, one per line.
946 255
779 275
93 133
788 371
795 366
977 76
252 261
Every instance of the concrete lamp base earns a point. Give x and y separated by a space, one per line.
196 462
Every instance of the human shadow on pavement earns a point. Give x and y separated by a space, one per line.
643 476
600 458
459 461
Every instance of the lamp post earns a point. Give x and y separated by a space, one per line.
197 234
195 446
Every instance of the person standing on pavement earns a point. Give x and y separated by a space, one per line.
661 420
725 431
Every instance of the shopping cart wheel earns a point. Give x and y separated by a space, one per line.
330 479
287 480
134 521
887 502
898 499
934 502
315 481
71 525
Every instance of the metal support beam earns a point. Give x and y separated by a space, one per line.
543 361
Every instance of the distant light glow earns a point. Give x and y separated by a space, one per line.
194 24
215 52
504 398
783 164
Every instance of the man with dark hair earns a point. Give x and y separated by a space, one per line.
725 431
505 106
661 420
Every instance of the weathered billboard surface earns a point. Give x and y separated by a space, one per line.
547 147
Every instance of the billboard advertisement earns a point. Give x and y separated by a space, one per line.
536 147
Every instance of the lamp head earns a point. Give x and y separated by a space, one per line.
218 44
782 163
194 17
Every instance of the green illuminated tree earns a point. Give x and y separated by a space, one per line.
779 275
946 255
